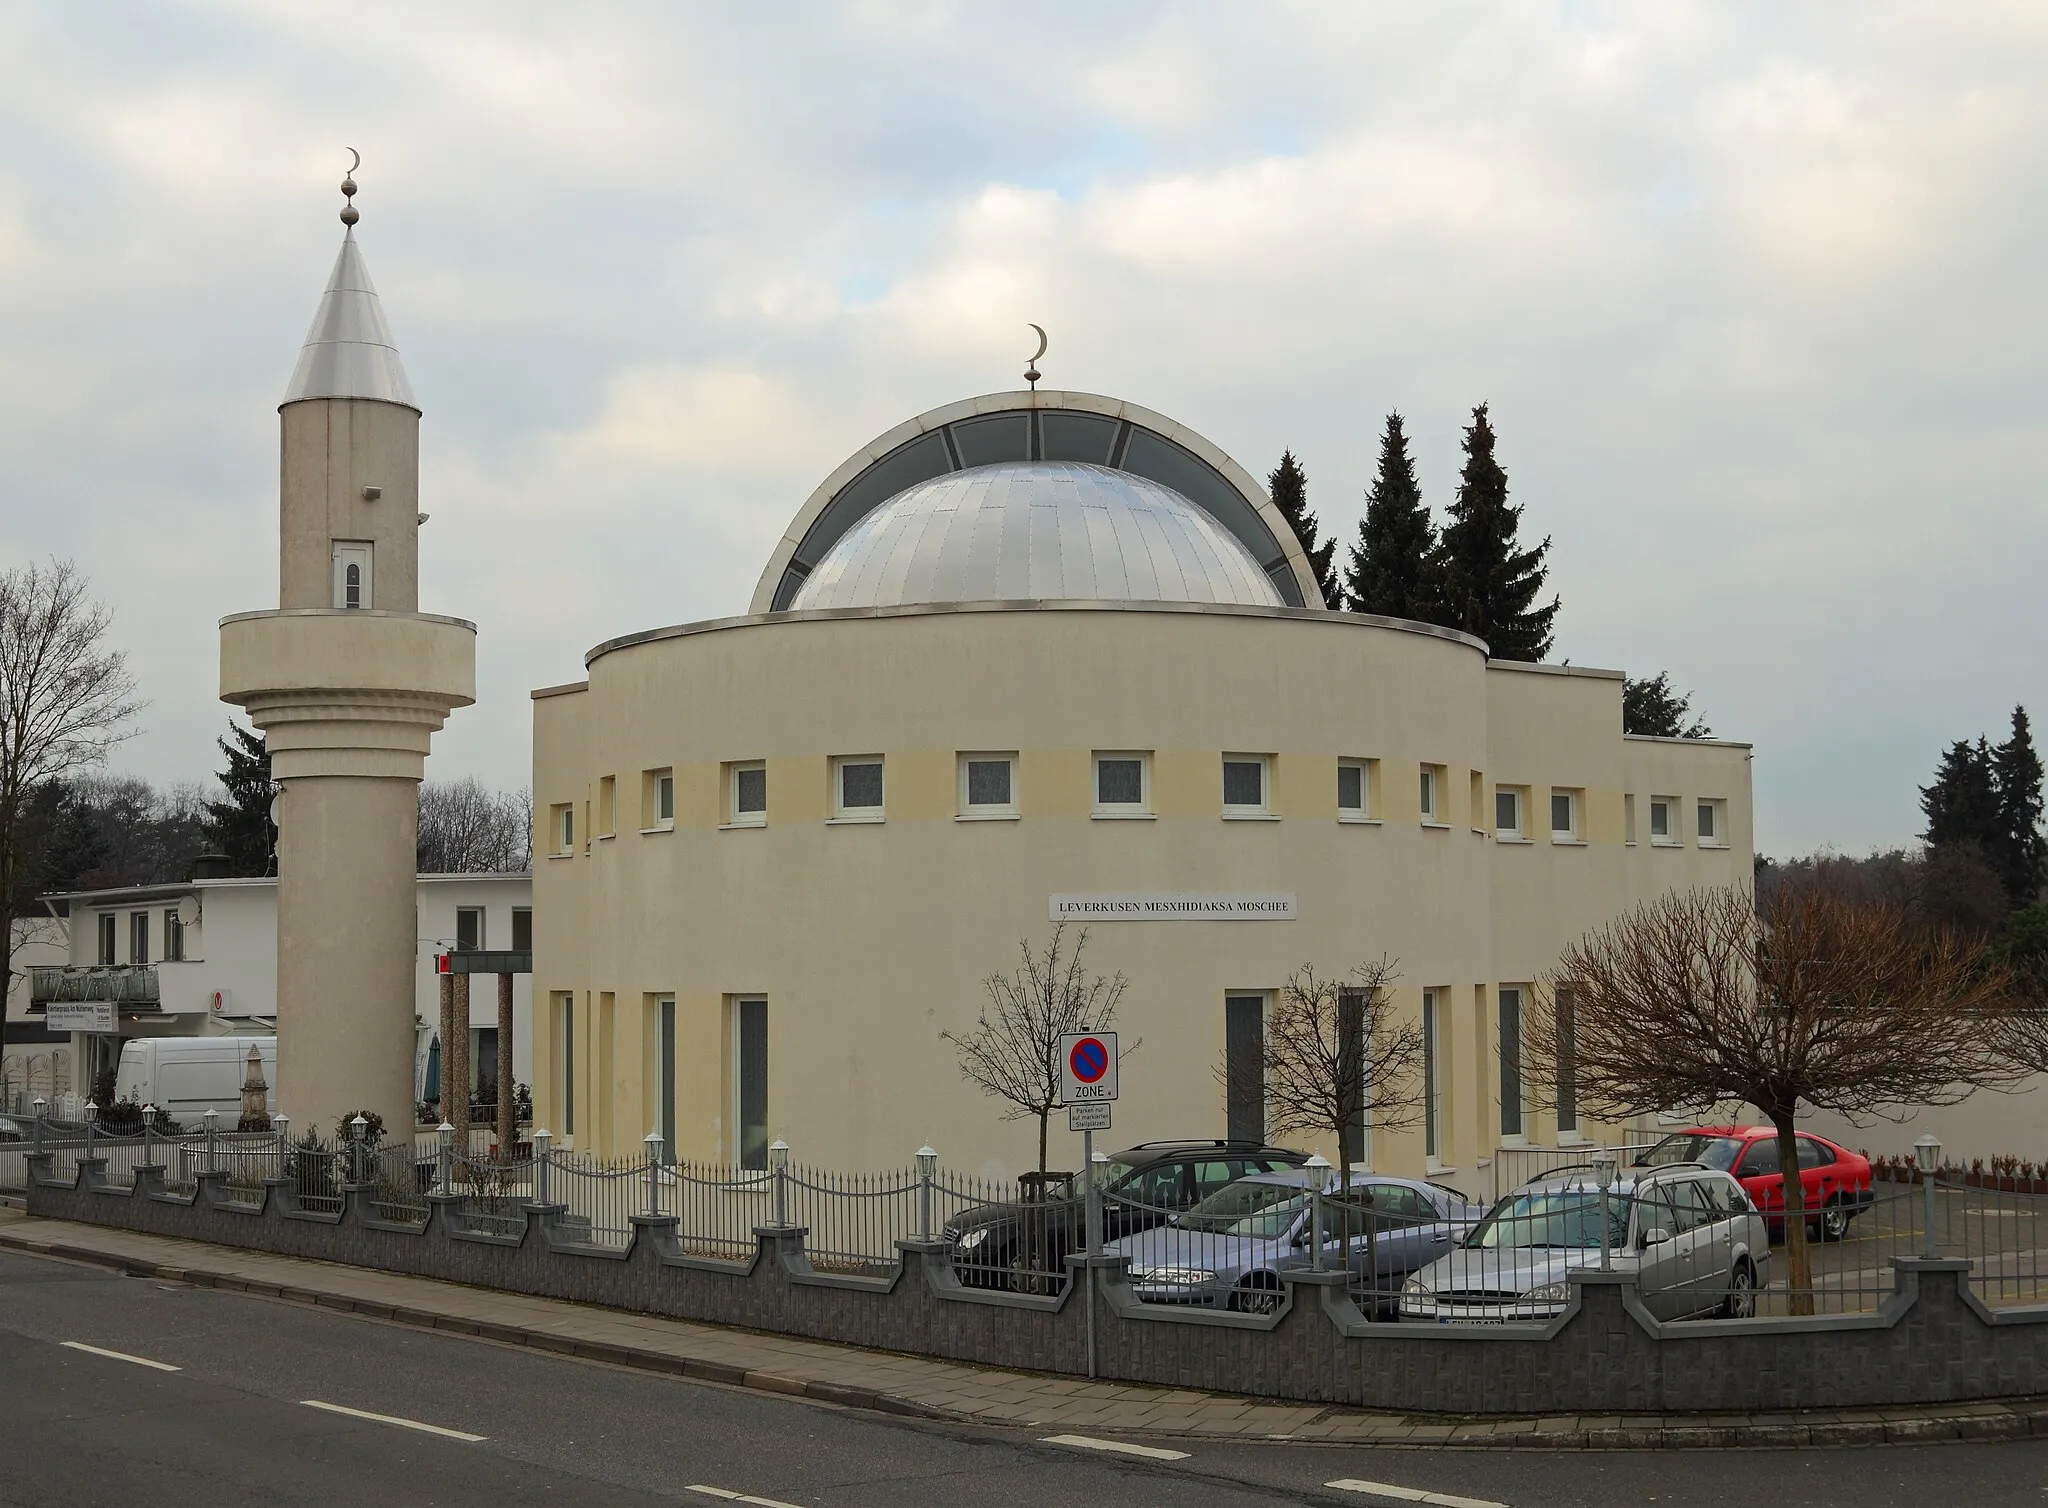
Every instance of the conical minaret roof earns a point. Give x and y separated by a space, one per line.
349 352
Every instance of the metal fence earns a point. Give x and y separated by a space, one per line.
1692 1257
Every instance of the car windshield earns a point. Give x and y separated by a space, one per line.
1551 1218
1251 1208
1693 1146
1115 1174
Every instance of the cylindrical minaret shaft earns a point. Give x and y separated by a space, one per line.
348 681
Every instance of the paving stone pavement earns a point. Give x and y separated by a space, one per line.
924 1387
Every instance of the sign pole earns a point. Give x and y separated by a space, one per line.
1092 1226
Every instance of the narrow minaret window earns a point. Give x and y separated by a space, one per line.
351 573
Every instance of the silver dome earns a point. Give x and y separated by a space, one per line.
1036 530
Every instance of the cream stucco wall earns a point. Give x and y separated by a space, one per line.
868 940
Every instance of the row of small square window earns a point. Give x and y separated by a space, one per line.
1123 788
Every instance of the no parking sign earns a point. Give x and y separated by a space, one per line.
1088 1068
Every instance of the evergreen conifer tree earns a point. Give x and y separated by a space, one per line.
240 826
1961 805
1490 583
1394 567
2017 850
1652 707
1287 484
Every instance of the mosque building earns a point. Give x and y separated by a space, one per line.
1047 656
1029 660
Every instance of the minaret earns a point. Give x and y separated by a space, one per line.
348 681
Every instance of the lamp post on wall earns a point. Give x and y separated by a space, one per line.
1318 1165
1605 1166
1927 1153
927 1167
778 1165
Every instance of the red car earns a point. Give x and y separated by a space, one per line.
1836 1181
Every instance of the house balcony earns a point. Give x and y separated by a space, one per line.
122 984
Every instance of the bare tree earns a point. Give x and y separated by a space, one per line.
65 700
1336 1056
1013 1053
467 828
1815 998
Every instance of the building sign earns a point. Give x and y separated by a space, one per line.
1230 906
1092 1116
81 1016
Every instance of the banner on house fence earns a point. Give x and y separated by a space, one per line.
81 1016
1170 906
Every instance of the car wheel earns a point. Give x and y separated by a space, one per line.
1834 1221
1257 1294
1741 1300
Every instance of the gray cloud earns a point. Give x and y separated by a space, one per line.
1754 295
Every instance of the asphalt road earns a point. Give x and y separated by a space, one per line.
233 1426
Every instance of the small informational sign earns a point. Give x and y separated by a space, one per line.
81 1016
220 1000
1091 1115
1165 906
1087 1067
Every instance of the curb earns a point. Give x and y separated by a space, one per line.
2021 1419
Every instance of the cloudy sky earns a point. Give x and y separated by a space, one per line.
1755 292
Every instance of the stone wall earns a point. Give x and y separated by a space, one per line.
1931 1342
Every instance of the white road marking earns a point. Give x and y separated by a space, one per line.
739 1497
425 1429
1120 1447
1410 1494
140 1361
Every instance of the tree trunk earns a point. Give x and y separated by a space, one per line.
1044 1116
1798 1259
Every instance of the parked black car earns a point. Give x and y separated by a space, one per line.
1023 1245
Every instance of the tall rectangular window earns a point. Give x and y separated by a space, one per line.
1567 1064
1122 785
1354 790
565 1059
107 930
1432 793
469 929
1628 819
1244 1068
1244 786
751 1073
1660 819
1356 1084
1713 824
857 789
174 936
665 1075
1564 815
563 827
522 929
1507 812
138 938
658 800
1510 1062
1432 1086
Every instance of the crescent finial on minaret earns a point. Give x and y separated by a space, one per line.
1031 373
349 213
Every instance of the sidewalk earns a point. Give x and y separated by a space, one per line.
924 1388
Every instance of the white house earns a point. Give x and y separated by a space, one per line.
200 958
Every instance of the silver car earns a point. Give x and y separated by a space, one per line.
1228 1250
1689 1234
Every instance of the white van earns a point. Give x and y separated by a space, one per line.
187 1076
